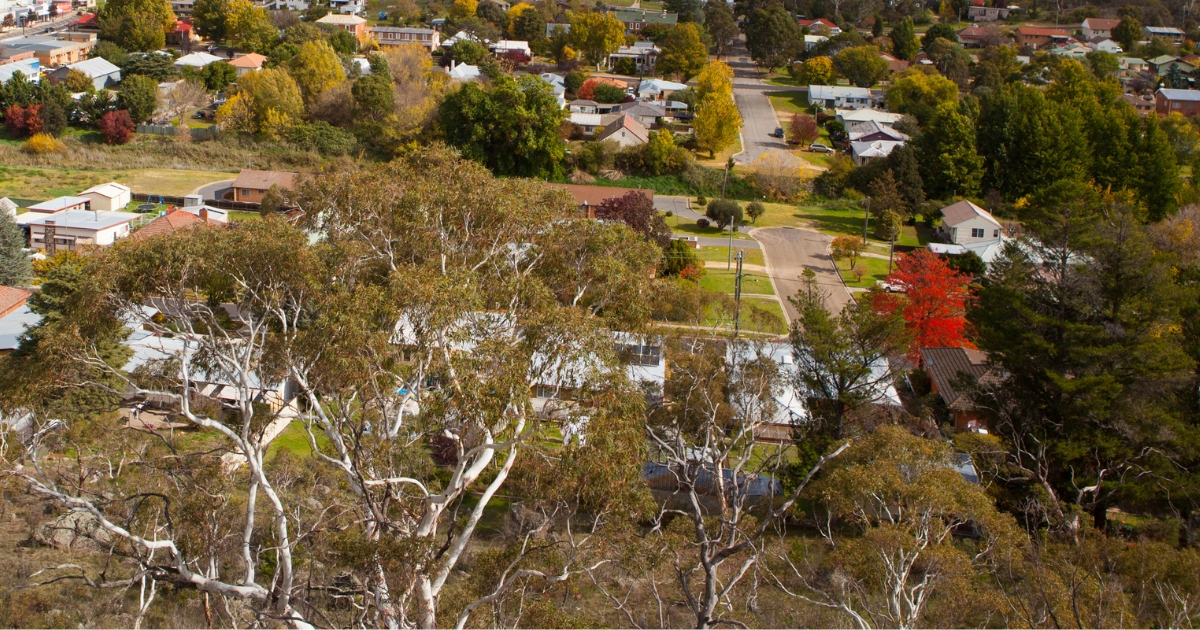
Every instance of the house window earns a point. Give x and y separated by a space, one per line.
995 233
977 232
638 354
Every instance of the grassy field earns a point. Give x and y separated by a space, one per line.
790 102
40 182
757 314
781 79
683 225
721 254
841 218
797 103
876 269
721 281
722 157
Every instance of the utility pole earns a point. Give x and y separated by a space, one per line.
892 253
728 166
729 261
737 296
866 216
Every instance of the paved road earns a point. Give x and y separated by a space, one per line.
788 252
758 117
213 190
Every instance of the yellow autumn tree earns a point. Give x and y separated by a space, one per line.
716 77
596 35
237 114
514 13
315 69
717 122
463 9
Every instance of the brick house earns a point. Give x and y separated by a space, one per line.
1037 37
397 35
1186 102
251 185
953 372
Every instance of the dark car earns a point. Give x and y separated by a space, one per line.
778 132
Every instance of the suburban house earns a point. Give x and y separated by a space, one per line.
511 47
30 67
636 19
61 204
15 317
1163 64
51 51
820 26
1072 50
1132 65
894 64
398 35
251 185
979 13
463 72
247 63
582 106
644 113
643 54
588 197
1106 45
108 197
658 87
839 96
459 36
356 25
849 117
588 123
194 204
1139 104
1035 37
871 130
183 35
625 131
103 73
811 41
1168 100
863 152
196 60
1169 33
952 373
1098 27
348 7
74 229
965 223
174 220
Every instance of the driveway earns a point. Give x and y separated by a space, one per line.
215 190
788 252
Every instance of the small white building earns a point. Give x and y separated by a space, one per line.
625 131
811 41
464 72
101 71
506 46
196 60
108 197
839 96
850 117
78 228
30 68
1107 45
61 204
965 223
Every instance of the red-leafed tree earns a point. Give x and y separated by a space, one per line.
933 303
116 126
804 129
23 121
637 211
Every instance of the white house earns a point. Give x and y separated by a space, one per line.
965 223
463 72
196 60
850 117
75 228
101 71
61 204
863 152
811 41
839 96
1107 45
108 197
505 46
31 68
1098 27
625 131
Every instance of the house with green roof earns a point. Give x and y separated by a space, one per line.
637 19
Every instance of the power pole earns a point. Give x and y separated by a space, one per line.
729 261
737 296
892 252
866 216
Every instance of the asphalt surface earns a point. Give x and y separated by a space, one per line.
788 252
213 190
758 117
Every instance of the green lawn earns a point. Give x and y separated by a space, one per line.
782 79
790 102
756 315
876 268
242 215
720 254
838 218
721 281
43 182
681 225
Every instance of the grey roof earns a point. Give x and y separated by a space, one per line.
85 220
871 127
402 29
13 325
964 210
1180 95
59 203
97 67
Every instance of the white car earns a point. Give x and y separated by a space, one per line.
889 287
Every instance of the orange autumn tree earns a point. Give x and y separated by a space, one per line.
933 303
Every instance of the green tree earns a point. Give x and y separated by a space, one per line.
512 126
1128 32
903 165
15 269
677 257
683 53
139 96
658 154
315 69
342 41
862 65
136 25
77 81
949 164
208 17
1103 64
218 75
530 26
816 71
249 26
904 40
721 26
153 65
755 209
268 90
919 94
723 212
1028 142
596 35
772 37
468 52
687 10
941 30
373 95
1157 172
111 53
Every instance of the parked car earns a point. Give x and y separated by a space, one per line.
778 132
889 287
817 147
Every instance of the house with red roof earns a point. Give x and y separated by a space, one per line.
1035 37
820 25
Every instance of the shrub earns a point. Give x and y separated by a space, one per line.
116 126
54 119
754 210
701 201
702 223
40 143
23 121
625 66
678 256
323 138
723 212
